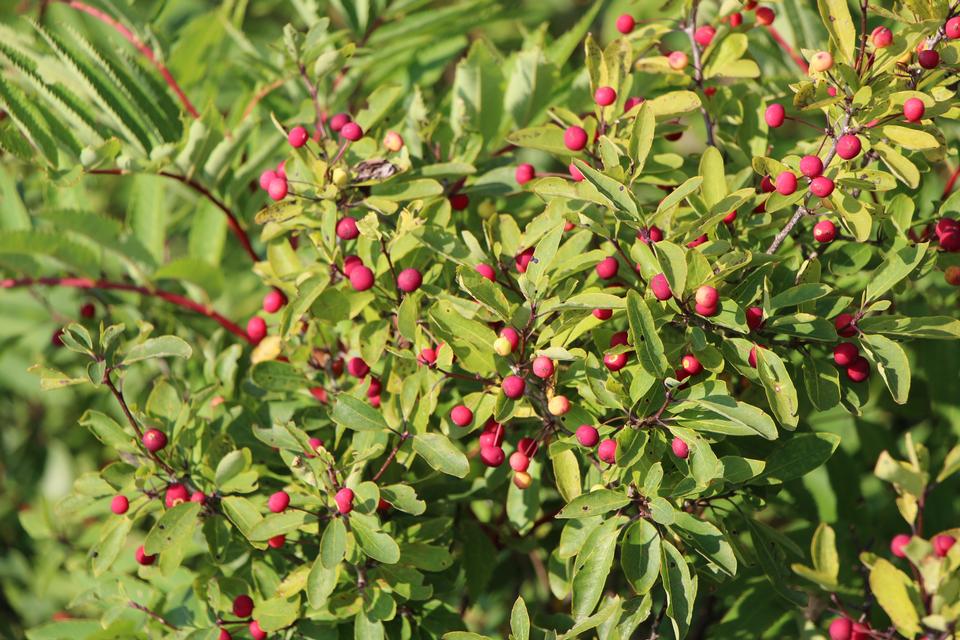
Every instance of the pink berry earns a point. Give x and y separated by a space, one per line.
266 178
821 186
736 19
607 451
841 629
605 96
349 263
811 166
224 635
575 173
255 631
625 23
845 326
461 415
142 557
513 386
154 440
680 448
752 356
707 296
607 268
256 328
660 287
631 102
898 543
543 367
928 59
297 137
618 339
176 494
848 146
277 189
575 138
320 394
824 231
427 356
704 35
730 217
361 278
337 121
754 317
347 228
344 500
242 606
273 301
587 435
393 141
119 504
603 314
524 173
512 336
528 446
409 280
765 16
351 131
523 259
651 235
486 271
199 497
913 109
942 544
775 115
881 37
845 353
786 183
952 28
358 368
519 462
492 456
691 364
859 370
278 502
696 242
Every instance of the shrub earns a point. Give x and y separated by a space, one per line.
566 344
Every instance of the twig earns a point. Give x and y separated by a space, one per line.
314 96
698 70
796 57
393 271
133 423
390 458
152 614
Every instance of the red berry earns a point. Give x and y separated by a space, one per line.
361 278
486 271
543 367
821 186
297 137
607 451
754 317
492 435
344 500
950 241
273 301
696 242
619 338
848 146
607 268
88 310
512 336
278 502
736 19
952 275
605 96
319 393
513 386
928 59
347 228
524 173
459 201
587 435
358 368
224 635
615 361
942 544
824 231
841 629
427 356
154 440
844 325
898 543
575 138
913 109
653 234
351 131
704 35
859 370
811 166
176 494
625 23
603 314
277 189
119 504
523 259
492 456
528 446
730 217
952 28
680 448
256 328
786 183
575 173
882 37
242 606
143 558
707 296
845 353
461 415
337 121
705 310
349 263
631 102
199 497
409 280
266 178
519 462
690 364
765 16
660 287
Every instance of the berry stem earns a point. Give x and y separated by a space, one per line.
153 614
147 52
796 57
698 70
133 423
390 457
89 283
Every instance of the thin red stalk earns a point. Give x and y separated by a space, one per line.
89 283
947 190
141 47
232 220
801 63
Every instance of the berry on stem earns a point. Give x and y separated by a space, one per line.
119 504
678 61
607 451
274 301
277 189
754 317
928 59
848 146
587 435
361 278
605 96
775 115
841 629
703 36
786 183
492 456
513 386
242 606
691 364
824 231
542 367
625 23
351 131
607 268
409 280
913 109
615 361
881 37
821 186
344 500
338 120
952 28
765 16
461 415
680 448
811 166
859 370
660 287
898 543
255 631
524 173
347 228
519 462
821 61
393 141
154 440
278 502
575 138
845 353
298 137
558 405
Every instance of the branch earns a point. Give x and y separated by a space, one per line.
698 70
89 283
155 616
390 458
797 58
139 44
136 427
232 220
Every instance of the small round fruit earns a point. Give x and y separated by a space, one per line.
786 183
351 131
199 497
427 356
615 361
942 544
766 185
298 137
492 456
811 166
587 435
88 310
650 236
754 317
704 35
513 386
575 138
821 186
752 356
558 405
154 440
678 61
277 189
881 37
274 301
631 102
690 364
841 629
409 280
913 109
821 61
255 631
119 504
848 146
224 635
320 394
845 353
543 367
696 242
707 296
736 19
358 368
242 606
680 448
844 325
522 480
344 500
361 278
765 16
528 446
824 231
619 338
952 275
461 415
393 141
602 314
705 310
607 268
518 461
730 217
175 494
524 173
898 543
266 178
523 259
859 370
256 328
278 502
459 201
928 59
338 120
349 263
347 228
775 115
142 557
502 347
607 451
625 23
575 173
605 96
512 336
660 287
486 271
952 28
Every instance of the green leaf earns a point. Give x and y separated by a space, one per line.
799 455
641 138
107 431
677 195
113 535
640 555
806 292
644 336
593 504
930 327
333 543
529 86
476 97
714 186
823 550
162 347
779 388
274 614
545 138
895 268
356 414
892 364
441 454
174 527
404 498
821 381
912 139
615 192
320 583
745 418
674 103
276 524
274 375
673 263
592 568
680 587
375 543
896 593
566 469
241 513
836 17
485 292
707 540
520 620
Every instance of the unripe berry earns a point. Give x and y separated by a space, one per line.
461 415
175 494
824 231
277 189
625 23
297 137
660 287
278 502
848 146
142 557
347 228
513 386
339 177
775 115
881 37
942 544
845 353
913 109
811 166
765 16
558 405
898 543
786 183
393 141
844 325
575 173
242 606
736 19
603 314
273 301
821 186
519 462
492 456
704 35
928 59
154 440
486 271
615 361
841 629
502 347
523 259
266 178
859 370
351 131
587 435
361 278
821 61
427 356
952 28
575 138
605 96
690 364
119 504
607 451
952 275
607 268
522 480
344 500
543 367
338 120
512 336
707 296
524 173
409 280
754 317
680 448
677 61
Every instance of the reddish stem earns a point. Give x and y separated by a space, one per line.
801 63
947 190
232 220
140 45
88 283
